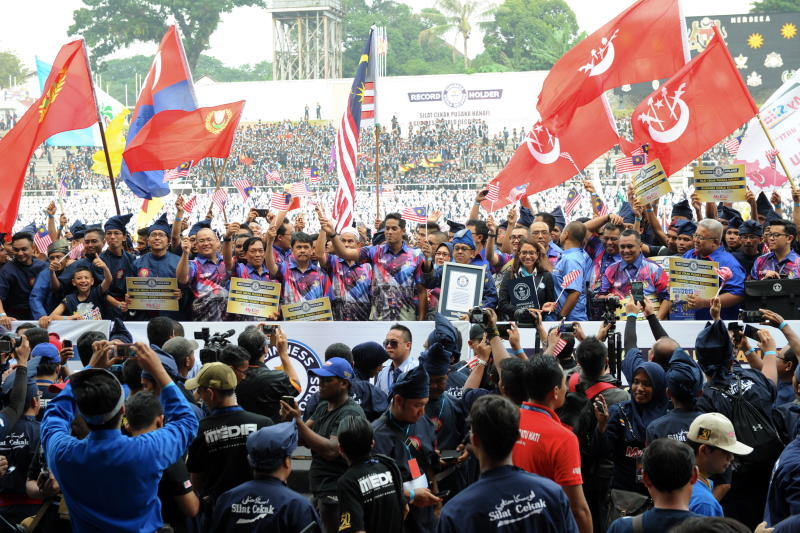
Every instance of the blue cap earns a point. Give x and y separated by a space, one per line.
713 347
368 355
162 224
269 446
47 352
730 214
197 226
455 227
684 377
77 229
446 335
525 217
686 227
558 215
683 209
378 238
30 228
413 384
751 227
118 222
627 214
335 367
119 332
762 203
464 237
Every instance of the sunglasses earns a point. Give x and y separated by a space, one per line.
390 343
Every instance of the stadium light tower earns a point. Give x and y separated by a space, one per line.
307 38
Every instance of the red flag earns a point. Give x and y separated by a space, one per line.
538 164
174 136
700 105
67 103
645 42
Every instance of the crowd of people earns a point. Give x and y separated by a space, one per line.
514 438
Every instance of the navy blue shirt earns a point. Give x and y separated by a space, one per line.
508 499
783 497
264 506
43 298
65 277
652 520
785 393
758 390
19 447
673 425
786 418
121 267
16 282
150 266
448 419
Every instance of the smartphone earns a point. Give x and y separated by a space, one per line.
637 291
66 343
290 400
736 329
503 328
125 351
443 494
449 455
751 332
262 212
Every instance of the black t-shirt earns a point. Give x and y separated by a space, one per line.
174 482
261 390
219 452
371 497
323 474
90 308
652 520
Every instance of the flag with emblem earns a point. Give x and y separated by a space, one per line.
772 156
280 201
387 192
174 136
701 104
732 145
314 176
645 42
67 103
188 207
62 188
415 214
599 206
244 188
633 163
219 198
42 239
182 171
573 199
77 251
347 138
559 347
273 176
299 189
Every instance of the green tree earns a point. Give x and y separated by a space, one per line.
772 6
457 16
10 68
108 25
531 34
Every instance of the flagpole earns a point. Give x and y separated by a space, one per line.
778 155
377 175
218 178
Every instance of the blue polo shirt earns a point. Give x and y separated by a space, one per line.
734 286
572 260
703 501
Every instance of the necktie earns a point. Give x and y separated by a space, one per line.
395 374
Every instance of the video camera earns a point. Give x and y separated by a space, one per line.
478 316
213 344
610 306
525 319
9 342
750 317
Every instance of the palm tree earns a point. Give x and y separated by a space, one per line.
458 16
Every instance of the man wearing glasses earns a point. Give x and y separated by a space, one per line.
781 261
708 247
398 346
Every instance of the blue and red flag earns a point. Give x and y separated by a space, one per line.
168 86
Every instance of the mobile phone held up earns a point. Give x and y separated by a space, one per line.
637 291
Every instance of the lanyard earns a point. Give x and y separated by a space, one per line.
390 420
536 409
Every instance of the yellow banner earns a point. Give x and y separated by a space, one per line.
255 298
153 294
651 182
721 183
318 309
689 276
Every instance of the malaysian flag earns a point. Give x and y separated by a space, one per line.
629 164
387 192
347 139
273 176
573 199
567 280
314 176
732 145
42 240
299 189
244 188
415 214
559 347
188 207
517 193
219 198
280 201
599 206
77 251
772 156
182 171
62 188
493 194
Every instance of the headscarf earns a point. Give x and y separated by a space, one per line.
643 414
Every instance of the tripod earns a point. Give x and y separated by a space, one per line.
614 343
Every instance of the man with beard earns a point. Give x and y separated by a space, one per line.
750 233
17 278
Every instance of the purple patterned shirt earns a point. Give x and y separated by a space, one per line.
789 267
396 278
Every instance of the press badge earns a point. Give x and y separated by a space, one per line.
418 479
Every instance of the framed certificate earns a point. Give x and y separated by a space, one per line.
462 289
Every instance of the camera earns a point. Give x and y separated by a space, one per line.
9 342
478 316
566 328
525 319
610 306
750 316
213 344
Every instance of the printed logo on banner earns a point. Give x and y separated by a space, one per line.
303 359
454 95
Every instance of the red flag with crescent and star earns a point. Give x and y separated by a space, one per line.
67 103
645 42
697 107
174 136
538 163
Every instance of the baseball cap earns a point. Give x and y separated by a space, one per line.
714 429
335 367
47 352
214 376
180 346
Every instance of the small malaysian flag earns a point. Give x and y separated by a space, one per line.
76 252
629 164
314 177
219 198
772 156
42 240
62 188
299 189
493 194
732 145
517 193
570 277
244 188
273 176
415 214
599 206
280 201
188 207
181 171
307 173
557 349
573 199
387 192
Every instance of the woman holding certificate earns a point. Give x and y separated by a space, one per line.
527 284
